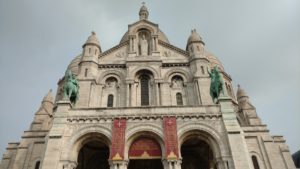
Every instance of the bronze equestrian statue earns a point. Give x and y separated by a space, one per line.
216 84
71 87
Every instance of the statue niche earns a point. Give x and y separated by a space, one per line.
144 45
177 82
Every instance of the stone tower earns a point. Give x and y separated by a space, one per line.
146 103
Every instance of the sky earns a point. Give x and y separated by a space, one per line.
257 41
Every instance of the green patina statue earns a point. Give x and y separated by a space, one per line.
71 87
216 84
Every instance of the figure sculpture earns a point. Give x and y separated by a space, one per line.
144 46
71 87
216 84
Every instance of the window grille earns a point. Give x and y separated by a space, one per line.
144 90
179 99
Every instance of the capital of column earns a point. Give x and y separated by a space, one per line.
132 36
118 164
158 80
129 81
70 165
154 36
172 163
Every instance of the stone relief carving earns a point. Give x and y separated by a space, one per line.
120 54
177 82
111 83
167 53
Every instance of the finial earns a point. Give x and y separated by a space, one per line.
93 33
240 92
48 96
143 12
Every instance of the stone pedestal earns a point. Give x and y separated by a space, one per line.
54 140
236 140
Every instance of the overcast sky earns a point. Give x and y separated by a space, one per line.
257 41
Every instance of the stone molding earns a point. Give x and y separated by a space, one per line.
113 49
183 52
214 136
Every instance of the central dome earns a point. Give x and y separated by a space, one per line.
161 36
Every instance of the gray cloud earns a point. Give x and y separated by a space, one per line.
257 42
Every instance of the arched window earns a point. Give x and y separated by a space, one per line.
37 165
179 99
110 100
144 90
255 162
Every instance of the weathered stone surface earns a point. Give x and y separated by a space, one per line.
177 84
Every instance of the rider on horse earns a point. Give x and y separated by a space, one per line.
71 87
216 84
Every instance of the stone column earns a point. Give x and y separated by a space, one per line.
157 93
132 46
128 92
155 52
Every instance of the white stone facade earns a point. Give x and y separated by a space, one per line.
178 85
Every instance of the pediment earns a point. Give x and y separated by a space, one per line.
170 53
117 54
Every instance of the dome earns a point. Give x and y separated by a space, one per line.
74 65
143 9
48 97
241 93
214 61
92 39
161 36
194 37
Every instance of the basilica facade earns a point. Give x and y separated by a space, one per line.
148 104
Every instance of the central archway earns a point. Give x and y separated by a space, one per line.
196 153
145 153
93 155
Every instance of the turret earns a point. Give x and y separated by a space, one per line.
47 102
195 45
199 66
246 110
44 114
242 97
90 53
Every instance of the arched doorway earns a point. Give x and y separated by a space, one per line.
196 154
145 153
94 154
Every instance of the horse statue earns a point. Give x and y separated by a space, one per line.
71 87
216 84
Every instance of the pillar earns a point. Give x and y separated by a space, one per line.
236 139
